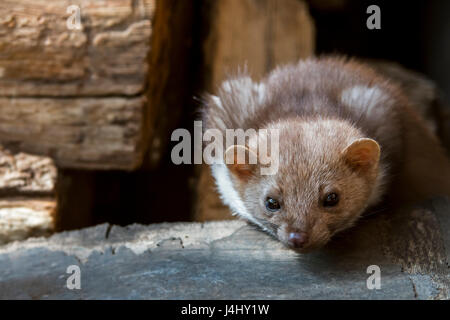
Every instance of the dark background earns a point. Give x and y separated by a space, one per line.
414 33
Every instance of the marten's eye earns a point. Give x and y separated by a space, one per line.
331 200
272 204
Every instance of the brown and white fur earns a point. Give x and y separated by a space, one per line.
343 129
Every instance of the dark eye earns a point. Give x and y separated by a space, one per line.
331 200
272 205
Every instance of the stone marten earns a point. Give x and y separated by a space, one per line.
348 140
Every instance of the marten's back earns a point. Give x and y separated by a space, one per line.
313 88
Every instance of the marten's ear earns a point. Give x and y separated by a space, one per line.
362 154
241 161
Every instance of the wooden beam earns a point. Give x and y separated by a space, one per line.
41 56
27 196
88 133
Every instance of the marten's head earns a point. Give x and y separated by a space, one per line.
327 113
328 174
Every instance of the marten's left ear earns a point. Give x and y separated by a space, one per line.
362 154
241 161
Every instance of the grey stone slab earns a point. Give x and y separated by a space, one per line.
231 260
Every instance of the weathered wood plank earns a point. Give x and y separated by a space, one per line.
173 74
229 260
27 196
258 34
21 218
76 132
24 174
41 56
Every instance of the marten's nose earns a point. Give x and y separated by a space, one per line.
297 239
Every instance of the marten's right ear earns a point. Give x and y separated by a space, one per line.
362 154
241 161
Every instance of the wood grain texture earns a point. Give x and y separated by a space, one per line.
21 218
173 76
230 261
257 34
27 195
76 132
41 56
77 96
25 174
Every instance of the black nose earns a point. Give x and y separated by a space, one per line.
297 239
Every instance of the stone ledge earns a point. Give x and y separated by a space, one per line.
231 260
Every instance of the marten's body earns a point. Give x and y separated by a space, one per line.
347 138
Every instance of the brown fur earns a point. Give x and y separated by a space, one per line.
322 107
